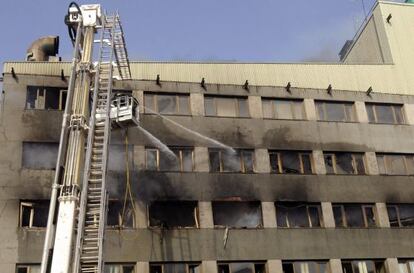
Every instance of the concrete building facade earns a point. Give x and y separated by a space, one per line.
307 168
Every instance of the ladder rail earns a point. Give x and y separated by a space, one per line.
121 53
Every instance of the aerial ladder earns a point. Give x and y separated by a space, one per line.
78 206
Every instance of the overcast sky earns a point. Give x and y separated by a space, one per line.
199 30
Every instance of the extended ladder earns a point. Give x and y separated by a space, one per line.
121 54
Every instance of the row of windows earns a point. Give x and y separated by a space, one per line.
227 106
235 214
301 266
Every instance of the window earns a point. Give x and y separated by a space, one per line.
228 161
175 268
298 215
237 214
169 104
159 161
401 215
344 163
305 267
32 268
119 268
40 155
291 162
120 215
335 111
117 157
226 106
173 214
395 164
34 213
363 266
241 267
283 109
385 113
406 266
354 215
45 98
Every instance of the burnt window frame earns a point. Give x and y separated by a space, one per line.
128 264
155 107
325 118
254 263
63 91
123 226
196 215
236 101
187 265
239 153
292 101
396 207
393 107
363 207
354 163
386 164
318 263
308 206
374 262
300 155
27 266
181 159
218 226
31 205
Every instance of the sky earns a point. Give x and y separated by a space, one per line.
199 30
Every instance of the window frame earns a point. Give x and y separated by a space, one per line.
28 267
155 106
228 264
393 109
187 265
119 226
316 262
299 154
196 216
32 205
180 159
352 119
396 207
240 155
236 102
272 102
308 216
354 163
386 163
364 216
62 91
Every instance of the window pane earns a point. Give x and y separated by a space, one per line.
226 107
242 267
187 160
329 163
151 159
395 165
359 162
393 216
214 157
170 163
297 214
384 113
283 109
344 163
298 111
314 216
223 268
209 106
52 98
184 105
335 111
398 114
243 108
288 268
347 267
370 216
194 268
370 111
281 216
349 109
290 162
274 162
320 110
248 161
25 215
149 103
307 163
354 216
231 162
267 108
167 104
406 215
155 269
337 211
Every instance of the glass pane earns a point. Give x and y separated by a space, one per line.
301 267
283 109
403 268
281 216
242 267
337 211
187 160
274 163
243 108
248 161
41 210
184 105
395 165
290 162
307 163
314 216
369 266
320 110
384 113
344 163
155 269
370 216
214 157
52 98
194 268
407 215
231 161
151 159
297 215
149 103
260 268
399 114
370 111
393 216
381 164
323 268
335 111
347 267
329 163
297 108
349 108
167 104
267 108
226 107
223 268
209 106
288 268
354 216
359 162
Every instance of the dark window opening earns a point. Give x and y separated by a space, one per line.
344 163
298 215
363 266
34 213
291 162
40 155
354 215
227 161
236 214
117 157
241 267
173 214
401 215
45 98
175 268
120 215
32 268
305 267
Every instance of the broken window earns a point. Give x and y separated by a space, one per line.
385 113
117 157
173 214
283 109
241 160
344 163
175 268
45 98
305 267
34 213
120 214
395 164
170 104
119 268
40 155
335 111
25 268
401 215
226 106
406 266
298 215
237 214
160 161
241 267
354 215
291 162
363 266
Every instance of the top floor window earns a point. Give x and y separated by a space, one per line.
305 267
45 98
222 106
170 104
335 111
395 164
283 109
385 113
241 160
344 163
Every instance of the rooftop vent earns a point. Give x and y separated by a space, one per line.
345 49
43 49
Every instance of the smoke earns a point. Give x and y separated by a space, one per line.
40 155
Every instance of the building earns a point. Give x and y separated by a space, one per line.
318 179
